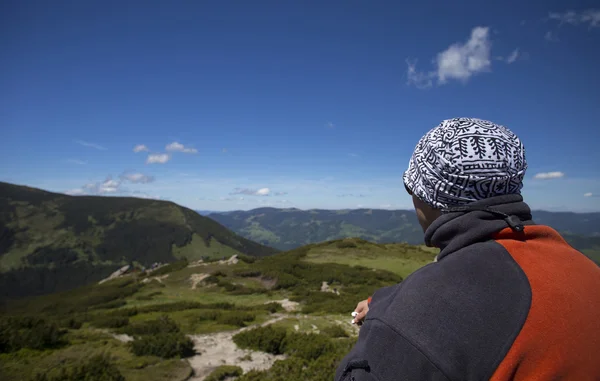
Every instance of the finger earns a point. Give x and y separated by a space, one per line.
360 316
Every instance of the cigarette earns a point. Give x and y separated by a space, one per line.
354 314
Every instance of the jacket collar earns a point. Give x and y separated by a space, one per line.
455 230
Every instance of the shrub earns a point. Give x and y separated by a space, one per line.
223 372
123 312
211 280
266 339
290 369
165 345
112 304
247 273
164 324
29 332
273 307
70 322
206 315
345 244
182 264
219 273
335 331
306 346
246 258
110 322
236 318
97 368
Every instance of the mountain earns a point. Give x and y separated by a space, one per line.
286 229
51 242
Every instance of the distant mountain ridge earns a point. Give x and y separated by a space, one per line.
287 229
51 242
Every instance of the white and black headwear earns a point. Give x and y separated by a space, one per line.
464 160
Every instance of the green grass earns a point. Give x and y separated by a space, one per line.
398 258
24 364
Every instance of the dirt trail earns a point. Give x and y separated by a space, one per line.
195 279
219 349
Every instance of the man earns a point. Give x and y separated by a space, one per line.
506 299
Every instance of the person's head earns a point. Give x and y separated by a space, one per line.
461 161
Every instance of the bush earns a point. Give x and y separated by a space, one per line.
29 332
345 244
211 280
289 369
110 322
335 331
238 319
219 273
182 264
306 346
266 339
97 368
223 372
165 345
164 324
70 323
123 312
246 273
273 307
112 304
246 258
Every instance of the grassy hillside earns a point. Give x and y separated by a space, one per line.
51 242
219 306
286 229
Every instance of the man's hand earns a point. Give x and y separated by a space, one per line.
361 309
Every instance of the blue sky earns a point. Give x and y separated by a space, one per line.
308 104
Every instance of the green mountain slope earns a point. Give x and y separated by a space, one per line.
286 229
304 298
51 242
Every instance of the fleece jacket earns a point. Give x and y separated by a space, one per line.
498 304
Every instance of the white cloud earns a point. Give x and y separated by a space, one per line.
114 186
137 178
77 161
460 61
421 80
513 56
108 186
549 36
140 148
252 192
178 147
75 192
157 158
263 192
589 194
591 17
548 175
91 145
100 188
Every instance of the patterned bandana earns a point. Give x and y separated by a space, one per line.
464 160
